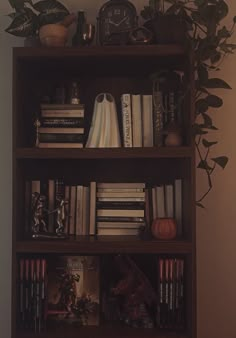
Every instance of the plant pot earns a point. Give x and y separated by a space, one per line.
32 41
53 35
167 29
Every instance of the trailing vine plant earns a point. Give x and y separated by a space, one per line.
210 41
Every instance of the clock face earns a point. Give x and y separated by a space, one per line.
116 17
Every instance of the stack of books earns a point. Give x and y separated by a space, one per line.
120 208
61 126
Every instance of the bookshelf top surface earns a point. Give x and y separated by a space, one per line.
104 153
100 60
103 245
62 52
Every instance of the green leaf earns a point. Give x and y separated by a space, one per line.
202 74
216 83
214 101
197 130
207 120
23 24
201 106
204 165
51 11
208 144
221 161
200 205
216 57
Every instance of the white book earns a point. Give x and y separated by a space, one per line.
55 130
160 201
60 145
169 200
147 118
79 210
120 225
178 205
122 185
137 120
120 213
121 194
92 208
117 232
127 120
120 190
86 210
121 199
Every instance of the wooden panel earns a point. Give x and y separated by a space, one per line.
103 244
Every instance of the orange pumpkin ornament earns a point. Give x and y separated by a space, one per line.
164 228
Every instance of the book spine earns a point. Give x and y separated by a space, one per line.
147 118
158 119
137 120
60 138
121 185
120 213
65 131
62 122
92 213
126 120
62 113
60 145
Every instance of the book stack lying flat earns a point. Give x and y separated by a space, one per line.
120 208
61 126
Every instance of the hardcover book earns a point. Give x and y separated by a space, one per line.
73 290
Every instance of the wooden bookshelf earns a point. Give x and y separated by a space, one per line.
115 69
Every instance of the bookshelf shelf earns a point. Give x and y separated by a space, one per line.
105 331
104 245
102 153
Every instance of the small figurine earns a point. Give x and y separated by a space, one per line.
61 217
38 212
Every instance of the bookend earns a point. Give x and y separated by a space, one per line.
39 213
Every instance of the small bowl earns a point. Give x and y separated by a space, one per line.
53 35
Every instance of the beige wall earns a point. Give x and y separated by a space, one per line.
216 230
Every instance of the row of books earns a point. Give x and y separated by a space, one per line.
105 208
61 126
171 293
81 290
120 208
166 202
146 118
77 205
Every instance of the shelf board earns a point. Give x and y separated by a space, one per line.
103 245
100 60
110 331
103 153
99 51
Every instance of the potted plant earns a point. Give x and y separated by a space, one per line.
29 17
210 41
164 24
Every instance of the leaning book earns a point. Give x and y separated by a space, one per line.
73 290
